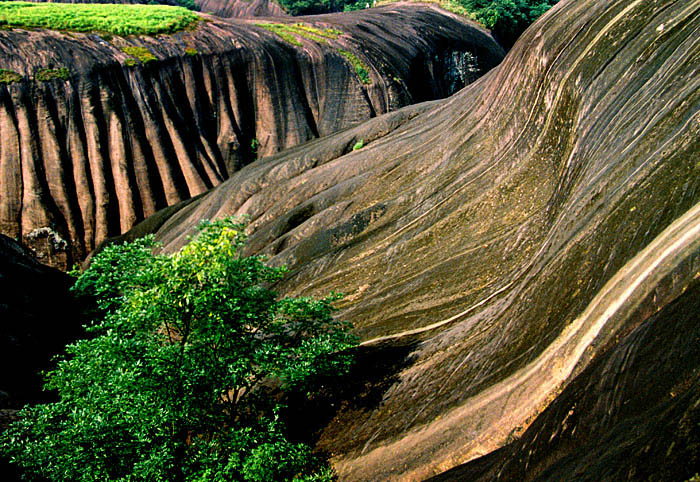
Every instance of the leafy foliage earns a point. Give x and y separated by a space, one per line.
114 19
175 383
361 69
507 18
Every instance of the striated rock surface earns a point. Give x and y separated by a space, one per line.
498 244
86 157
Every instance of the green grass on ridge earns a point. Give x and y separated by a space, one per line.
109 18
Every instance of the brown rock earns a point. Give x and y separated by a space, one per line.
503 238
85 158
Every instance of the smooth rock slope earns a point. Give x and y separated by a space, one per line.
499 243
113 139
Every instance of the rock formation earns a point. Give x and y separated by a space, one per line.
241 8
221 8
38 317
501 243
86 156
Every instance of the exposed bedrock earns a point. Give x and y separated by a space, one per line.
221 8
504 237
85 158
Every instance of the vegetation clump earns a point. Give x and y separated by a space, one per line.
291 32
360 68
47 75
191 52
9 77
107 18
507 19
177 381
141 53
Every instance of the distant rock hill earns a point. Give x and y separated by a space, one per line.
514 256
221 8
85 156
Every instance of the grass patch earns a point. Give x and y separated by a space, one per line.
9 77
47 75
141 53
360 68
291 32
191 52
108 18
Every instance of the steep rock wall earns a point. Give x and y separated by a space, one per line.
498 241
86 157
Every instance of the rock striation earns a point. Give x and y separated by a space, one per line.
136 124
505 246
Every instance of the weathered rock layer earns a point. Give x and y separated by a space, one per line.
85 158
504 237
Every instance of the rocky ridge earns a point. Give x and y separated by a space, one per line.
506 246
136 124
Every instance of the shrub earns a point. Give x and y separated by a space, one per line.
47 75
360 68
358 145
9 77
141 53
175 381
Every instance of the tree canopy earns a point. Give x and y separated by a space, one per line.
178 379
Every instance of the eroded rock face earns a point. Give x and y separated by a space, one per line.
85 158
503 238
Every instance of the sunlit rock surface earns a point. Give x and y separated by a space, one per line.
85 158
499 243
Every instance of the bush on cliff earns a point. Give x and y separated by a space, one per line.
178 379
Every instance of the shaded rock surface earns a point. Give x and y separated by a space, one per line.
38 316
85 158
508 237
631 415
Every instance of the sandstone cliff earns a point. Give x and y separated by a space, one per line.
496 245
119 135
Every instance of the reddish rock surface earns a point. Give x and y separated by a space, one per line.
503 246
85 158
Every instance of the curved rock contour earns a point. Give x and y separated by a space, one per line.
112 139
502 238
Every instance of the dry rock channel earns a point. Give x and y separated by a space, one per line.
531 242
118 135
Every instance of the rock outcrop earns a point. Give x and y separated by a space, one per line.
241 8
221 8
113 139
502 242
38 316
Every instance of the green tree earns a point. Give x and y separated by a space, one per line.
177 381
